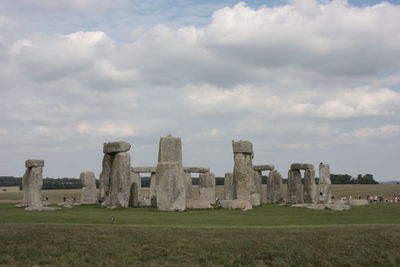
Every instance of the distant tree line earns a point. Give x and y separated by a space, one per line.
347 179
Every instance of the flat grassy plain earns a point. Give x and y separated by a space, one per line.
269 235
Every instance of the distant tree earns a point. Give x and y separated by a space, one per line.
341 179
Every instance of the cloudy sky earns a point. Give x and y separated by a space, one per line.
304 81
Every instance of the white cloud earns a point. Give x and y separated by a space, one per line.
108 129
363 134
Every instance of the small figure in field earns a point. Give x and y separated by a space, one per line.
65 199
112 219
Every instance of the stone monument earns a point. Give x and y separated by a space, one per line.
32 183
207 186
324 186
89 191
275 188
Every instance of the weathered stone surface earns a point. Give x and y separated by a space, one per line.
116 147
188 184
294 187
336 206
324 186
171 193
34 183
153 190
89 191
34 163
263 167
241 146
243 176
145 169
229 189
170 149
207 186
241 204
226 204
25 185
357 202
257 183
135 189
255 199
301 166
120 181
196 169
104 178
310 188
275 188
198 203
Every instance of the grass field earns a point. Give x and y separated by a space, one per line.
269 235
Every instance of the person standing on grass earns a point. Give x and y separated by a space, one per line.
112 219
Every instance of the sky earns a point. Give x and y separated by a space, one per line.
303 80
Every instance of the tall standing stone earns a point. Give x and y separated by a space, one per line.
32 183
115 178
310 188
153 190
89 191
207 186
258 183
188 184
229 189
295 187
274 188
170 180
243 174
135 189
171 195
324 187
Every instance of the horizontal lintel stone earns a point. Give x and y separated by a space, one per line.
34 163
266 167
116 147
196 169
301 166
141 169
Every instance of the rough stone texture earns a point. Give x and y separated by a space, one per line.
153 190
25 185
34 163
336 206
310 188
324 187
257 183
241 204
275 188
255 199
229 189
301 166
188 184
89 191
146 169
120 181
170 149
196 169
116 147
198 203
294 187
243 174
207 186
170 181
225 204
263 167
357 202
104 179
241 146
33 181
135 189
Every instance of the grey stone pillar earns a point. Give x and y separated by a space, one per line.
229 189
324 187
207 186
32 183
188 184
274 188
294 187
89 192
310 188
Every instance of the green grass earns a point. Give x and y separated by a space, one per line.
116 245
266 215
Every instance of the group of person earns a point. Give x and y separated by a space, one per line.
376 199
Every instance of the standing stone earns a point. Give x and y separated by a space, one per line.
188 184
207 186
115 177
258 184
229 189
104 179
295 187
135 189
32 183
310 188
153 190
275 188
89 191
324 187
171 193
170 180
170 149
243 174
